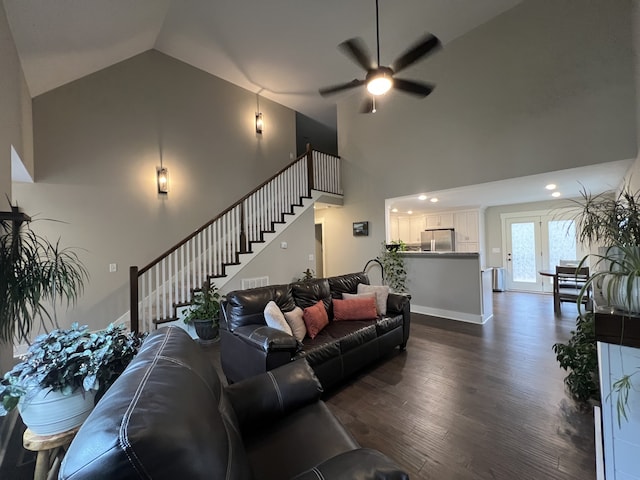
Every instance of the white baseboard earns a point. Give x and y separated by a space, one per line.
450 314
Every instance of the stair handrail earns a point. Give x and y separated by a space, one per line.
135 272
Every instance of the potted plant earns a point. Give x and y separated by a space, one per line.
33 273
55 383
393 265
204 312
611 222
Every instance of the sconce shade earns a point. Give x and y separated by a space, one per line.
259 123
163 180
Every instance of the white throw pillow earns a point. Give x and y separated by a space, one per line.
275 318
349 296
381 292
295 320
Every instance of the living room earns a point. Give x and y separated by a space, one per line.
543 86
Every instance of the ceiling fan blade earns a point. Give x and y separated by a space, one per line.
367 105
427 44
356 50
413 88
338 88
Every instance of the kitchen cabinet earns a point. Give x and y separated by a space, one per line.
440 220
409 228
467 230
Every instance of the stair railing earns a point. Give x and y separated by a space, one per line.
169 280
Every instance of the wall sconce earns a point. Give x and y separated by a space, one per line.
259 123
259 119
163 180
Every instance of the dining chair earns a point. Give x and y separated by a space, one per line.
567 285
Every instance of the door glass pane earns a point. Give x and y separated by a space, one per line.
562 242
523 254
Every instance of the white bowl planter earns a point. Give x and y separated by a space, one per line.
49 412
615 291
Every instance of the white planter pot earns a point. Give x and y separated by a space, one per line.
49 412
615 291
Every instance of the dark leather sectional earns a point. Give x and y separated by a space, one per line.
249 347
168 417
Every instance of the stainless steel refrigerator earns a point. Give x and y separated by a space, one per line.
438 240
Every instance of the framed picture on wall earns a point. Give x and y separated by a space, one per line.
360 229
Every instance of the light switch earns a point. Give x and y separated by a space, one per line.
283 245
311 257
495 250
113 267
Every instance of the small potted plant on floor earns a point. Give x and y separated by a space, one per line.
63 372
204 312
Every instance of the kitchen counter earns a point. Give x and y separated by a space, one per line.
450 285
441 254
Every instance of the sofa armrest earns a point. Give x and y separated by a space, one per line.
363 464
266 338
396 303
269 396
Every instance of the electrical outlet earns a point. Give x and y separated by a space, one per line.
312 257
113 267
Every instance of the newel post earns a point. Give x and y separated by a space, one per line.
310 174
243 233
133 296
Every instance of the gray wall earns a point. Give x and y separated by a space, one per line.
546 86
98 141
15 111
317 134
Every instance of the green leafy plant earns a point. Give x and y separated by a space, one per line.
66 360
205 305
393 265
34 273
580 358
621 388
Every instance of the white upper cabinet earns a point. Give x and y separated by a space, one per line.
440 220
467 228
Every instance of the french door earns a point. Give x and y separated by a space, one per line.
534 243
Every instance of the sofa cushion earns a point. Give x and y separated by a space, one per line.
296 321
354 309
315 318
346 283
275 318
306 294
350 335
246 307
299 442
382 293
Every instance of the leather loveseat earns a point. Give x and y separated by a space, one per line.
168 417
249 347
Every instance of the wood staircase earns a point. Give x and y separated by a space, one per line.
216 249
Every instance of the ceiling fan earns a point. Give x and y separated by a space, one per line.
380 79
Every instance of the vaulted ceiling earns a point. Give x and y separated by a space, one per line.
283 49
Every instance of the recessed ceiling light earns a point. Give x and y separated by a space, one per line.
410 212
422 197
394 210
551 186
556 194
433 199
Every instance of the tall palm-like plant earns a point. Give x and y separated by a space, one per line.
34 273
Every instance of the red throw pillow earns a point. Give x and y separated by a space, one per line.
355 309
315 318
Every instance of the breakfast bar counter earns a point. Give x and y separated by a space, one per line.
450 285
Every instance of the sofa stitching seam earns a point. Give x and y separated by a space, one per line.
277 389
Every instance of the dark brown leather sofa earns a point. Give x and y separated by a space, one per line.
249 347
168 417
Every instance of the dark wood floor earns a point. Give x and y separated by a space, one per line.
468 401
475 402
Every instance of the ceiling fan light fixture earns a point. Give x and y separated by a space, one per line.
380 84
